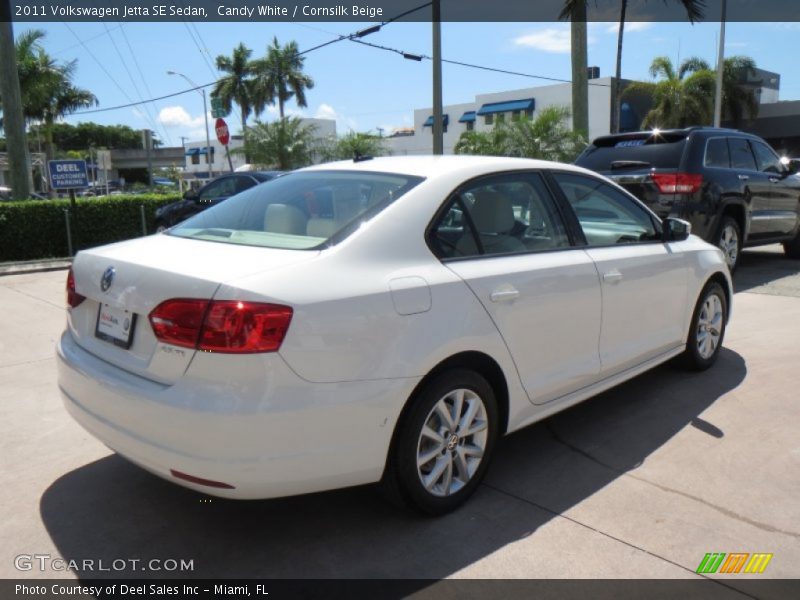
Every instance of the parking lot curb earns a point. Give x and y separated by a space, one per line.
34 266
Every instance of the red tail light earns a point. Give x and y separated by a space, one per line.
73 297
178 321
677 183
226 326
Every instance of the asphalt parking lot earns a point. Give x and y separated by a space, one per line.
640 482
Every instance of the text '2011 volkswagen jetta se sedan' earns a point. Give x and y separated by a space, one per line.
379 320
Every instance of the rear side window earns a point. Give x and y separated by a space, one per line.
741 155
612 153
717 154
507 214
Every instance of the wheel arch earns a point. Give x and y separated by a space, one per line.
481 363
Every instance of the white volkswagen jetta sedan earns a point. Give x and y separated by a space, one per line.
380 320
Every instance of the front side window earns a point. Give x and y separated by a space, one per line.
506 214
766 159
606 215
302 210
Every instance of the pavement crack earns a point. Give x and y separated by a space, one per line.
13 289
721 509
612 537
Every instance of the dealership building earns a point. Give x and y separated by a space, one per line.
778 122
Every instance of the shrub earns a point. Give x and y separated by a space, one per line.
34 229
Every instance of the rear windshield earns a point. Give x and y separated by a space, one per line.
662 151
299 211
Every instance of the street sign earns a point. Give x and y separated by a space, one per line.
216 108
67 174
223 135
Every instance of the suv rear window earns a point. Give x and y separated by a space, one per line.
662 151
299 211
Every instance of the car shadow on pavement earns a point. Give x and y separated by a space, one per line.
112 510
759 268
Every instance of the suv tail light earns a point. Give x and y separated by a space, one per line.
73 297
228 326
677 183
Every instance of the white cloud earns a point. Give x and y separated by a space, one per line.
177 116
630 27
553 40
325 111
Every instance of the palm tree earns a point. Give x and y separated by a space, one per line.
237 85
694 12
352 144
279 76
46 87
284 144
546 137
38 74
738 101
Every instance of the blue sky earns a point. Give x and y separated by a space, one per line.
365 88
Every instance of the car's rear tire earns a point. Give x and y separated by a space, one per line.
707 329
443 444
729 240
792 247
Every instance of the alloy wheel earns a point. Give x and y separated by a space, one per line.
729 243
709 326
452 442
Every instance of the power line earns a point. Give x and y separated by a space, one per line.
150 118
144 81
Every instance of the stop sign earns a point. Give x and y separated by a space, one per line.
223 135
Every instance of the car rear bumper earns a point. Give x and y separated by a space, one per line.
247 421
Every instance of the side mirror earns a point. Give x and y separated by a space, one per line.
191 195
676 230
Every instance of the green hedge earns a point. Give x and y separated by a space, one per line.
34 229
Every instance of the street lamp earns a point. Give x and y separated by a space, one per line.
202 92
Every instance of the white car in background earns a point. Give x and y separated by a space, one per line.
379 320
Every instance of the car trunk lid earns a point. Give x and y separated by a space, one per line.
146 272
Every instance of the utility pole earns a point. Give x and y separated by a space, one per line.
580 74
438 118
720 68
147 138
13 119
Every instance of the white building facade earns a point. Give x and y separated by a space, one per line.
489 109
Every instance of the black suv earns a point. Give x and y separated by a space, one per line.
731 186
214 192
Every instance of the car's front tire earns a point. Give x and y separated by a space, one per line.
708 328
444 442
729 240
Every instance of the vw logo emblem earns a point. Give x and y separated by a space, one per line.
107 279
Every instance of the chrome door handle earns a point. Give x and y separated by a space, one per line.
504 295
744 177
774 179
612 276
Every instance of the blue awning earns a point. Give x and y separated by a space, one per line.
467 117
498 107
193 151
429 121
